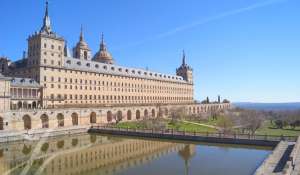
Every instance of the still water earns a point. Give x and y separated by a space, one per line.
86 154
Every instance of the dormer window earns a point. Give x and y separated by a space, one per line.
112 68
145 73
133 71
97 66
139 72
88 64
127 70
120 69
105 67
69 61
79 63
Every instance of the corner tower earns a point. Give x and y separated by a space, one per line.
185 71
45 48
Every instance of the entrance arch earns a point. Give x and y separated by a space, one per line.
153 113
109 116
93 118
45 121
137 114
119 116
129 115
27 122
145 113
60 120
74 117
1 123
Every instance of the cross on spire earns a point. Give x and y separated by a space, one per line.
81 33
46 28
183 57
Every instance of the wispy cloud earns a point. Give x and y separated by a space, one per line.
205 21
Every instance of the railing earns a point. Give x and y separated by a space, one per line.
173 132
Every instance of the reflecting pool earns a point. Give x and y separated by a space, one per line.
107 155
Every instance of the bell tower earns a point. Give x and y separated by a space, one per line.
82 50
185 71
45 48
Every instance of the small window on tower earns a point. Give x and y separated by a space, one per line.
85 55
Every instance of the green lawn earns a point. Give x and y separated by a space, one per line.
190 127
181 126
269 129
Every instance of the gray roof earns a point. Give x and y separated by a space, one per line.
93 66
24 82
2 77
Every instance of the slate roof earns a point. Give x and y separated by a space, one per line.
24 82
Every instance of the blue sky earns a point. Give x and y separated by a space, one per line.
244 50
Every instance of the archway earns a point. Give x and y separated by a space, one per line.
166 112
1 123
109 116
145 113
129 115
74 117
45 121
34 105
20 105
93 118
153 113
60 120
119 116
137 114
27 122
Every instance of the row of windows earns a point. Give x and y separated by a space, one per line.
114 97
115 84
149 90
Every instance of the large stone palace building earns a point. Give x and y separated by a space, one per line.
50 77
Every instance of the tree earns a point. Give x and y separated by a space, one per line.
251 120
225 124
178 113
226 101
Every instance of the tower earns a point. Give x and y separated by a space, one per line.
185 71
45 48
103 55
82 50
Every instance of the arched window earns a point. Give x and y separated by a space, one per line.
45 121
27 122
128 115
85 55
74 119
93 118
145 113
137 114
1 123
119 116
153 113
109 116
60 120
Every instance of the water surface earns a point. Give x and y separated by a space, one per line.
96 154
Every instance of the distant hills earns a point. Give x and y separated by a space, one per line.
268 106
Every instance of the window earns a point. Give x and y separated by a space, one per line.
85 55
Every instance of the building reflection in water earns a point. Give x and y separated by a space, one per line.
85 154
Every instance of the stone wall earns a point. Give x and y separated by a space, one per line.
57 118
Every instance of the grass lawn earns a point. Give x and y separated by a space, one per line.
190 127
269 129
181 126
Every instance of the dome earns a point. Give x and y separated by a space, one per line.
103 55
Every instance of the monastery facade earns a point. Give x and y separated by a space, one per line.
50 77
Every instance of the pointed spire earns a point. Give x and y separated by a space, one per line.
102 45
46 28
81 33
183 57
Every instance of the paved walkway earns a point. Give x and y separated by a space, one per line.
201 124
